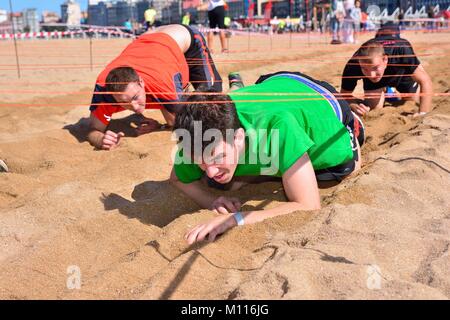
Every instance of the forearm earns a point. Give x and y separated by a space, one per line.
426 88
95 137
426 97
374 99
196 192
289 207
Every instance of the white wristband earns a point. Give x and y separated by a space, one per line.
239 218
422 113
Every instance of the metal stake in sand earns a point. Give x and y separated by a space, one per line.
290 39
90 52
228 44
271 40
248 39
14 38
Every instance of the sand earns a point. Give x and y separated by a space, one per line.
384 233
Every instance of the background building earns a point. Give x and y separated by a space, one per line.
98 14
31 20
172 12
391 5
119 12
115 13
5 23
71 13
3 15
236 9
50 17
17 21
141 6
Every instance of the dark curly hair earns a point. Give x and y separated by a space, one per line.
213 109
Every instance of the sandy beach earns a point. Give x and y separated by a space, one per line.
383 233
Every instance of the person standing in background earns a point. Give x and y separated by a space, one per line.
430 14
128 26
216 16
337 16
356 17
348 29
186 19
149 16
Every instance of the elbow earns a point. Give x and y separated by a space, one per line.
425 83
429 85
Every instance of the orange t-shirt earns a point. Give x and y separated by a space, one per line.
158 59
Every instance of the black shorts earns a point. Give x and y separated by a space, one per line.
350 120
202 70
217 17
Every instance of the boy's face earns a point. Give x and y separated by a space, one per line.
221 161
133 98
374 67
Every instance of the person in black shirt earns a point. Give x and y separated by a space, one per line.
382 62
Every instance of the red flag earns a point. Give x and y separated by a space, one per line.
251 10
268 10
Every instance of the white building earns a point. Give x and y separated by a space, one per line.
50 17
3 15
71 13
31 20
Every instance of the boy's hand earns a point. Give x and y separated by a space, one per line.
359 108
225 205
211 229
111 140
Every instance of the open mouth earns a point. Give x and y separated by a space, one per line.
219 177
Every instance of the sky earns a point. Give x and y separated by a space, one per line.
41 5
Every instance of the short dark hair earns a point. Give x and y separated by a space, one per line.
215 111
119 78
368 49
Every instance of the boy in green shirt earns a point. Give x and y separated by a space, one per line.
287 125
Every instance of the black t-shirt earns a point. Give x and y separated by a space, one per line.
401 61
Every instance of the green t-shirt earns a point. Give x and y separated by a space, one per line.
286 118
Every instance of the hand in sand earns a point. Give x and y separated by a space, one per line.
111 140
359 108
225 205
210 229
148 125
